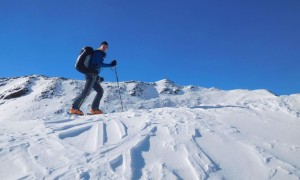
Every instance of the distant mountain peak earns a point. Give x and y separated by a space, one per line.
135 94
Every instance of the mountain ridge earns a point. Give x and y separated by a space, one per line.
166 131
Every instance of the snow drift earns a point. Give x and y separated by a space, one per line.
166 132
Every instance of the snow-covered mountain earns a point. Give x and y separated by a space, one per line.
165 132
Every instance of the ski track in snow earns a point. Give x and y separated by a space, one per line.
255 139
151 144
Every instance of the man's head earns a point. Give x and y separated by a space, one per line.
103 46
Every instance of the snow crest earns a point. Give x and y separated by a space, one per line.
166 132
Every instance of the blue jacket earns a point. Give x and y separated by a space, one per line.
96 62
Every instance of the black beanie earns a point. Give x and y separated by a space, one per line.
104 43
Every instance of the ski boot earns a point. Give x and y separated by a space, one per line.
76 111
96 111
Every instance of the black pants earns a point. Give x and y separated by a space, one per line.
91 82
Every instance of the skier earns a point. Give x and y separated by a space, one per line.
93 81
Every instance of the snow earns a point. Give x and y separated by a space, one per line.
166 132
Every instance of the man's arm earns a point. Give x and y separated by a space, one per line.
112 64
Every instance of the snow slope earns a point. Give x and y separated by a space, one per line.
166 132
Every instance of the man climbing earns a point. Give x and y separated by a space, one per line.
91 71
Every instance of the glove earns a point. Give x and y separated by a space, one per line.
113 63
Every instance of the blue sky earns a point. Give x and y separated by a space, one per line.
233 44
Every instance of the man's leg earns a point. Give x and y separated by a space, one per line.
89 83
96 102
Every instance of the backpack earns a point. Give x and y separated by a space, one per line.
83 61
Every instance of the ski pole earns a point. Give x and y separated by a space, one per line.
119 87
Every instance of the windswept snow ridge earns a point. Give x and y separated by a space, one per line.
166 132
